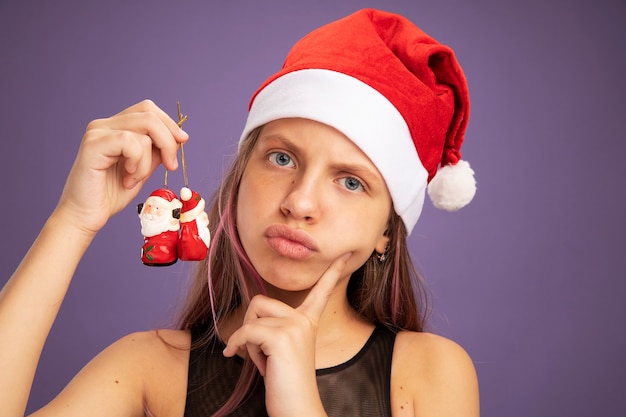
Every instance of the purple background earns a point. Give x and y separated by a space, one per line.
530 278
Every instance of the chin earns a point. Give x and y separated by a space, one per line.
290 278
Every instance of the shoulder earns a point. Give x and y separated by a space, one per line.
149 350
433 375
143 369
430 352
153 340
164 355
156 361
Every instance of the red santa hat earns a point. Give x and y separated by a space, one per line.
193 204
393 90
164 193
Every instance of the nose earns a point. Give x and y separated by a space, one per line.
302 201
148 209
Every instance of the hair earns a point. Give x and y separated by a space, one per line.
390 293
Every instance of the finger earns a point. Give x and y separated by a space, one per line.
256 331
255 353
258 357
147 119
140 163
148 106
135 151
264 306
315 302
105 147
248 334
150 125
254 348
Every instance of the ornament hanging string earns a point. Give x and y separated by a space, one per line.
181 119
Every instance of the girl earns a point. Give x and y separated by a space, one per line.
311 306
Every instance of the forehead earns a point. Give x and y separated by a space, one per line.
309 136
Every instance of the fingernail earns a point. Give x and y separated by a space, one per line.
184 134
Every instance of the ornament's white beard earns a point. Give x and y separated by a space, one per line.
153 225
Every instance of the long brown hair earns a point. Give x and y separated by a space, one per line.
389 292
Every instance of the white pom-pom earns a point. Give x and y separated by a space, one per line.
185 194
453 187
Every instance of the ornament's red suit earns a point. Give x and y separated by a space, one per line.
193 244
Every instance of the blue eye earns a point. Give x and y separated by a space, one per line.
352 183
281 159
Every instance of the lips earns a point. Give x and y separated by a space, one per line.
291 243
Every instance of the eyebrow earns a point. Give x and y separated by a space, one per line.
369 173
280 138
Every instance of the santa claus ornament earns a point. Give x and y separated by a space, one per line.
159 216
174 228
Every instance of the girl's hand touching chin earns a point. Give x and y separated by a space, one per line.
280 340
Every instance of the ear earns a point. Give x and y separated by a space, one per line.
382 244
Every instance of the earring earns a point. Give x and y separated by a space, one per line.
382 256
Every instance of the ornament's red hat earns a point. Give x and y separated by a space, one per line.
189 198
164 193
193 204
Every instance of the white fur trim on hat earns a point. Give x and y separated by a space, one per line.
362 114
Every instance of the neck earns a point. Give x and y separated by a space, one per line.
337 319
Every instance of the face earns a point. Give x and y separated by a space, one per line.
155 216
309 195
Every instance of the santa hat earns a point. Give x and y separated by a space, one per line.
393 90
164 193
193 204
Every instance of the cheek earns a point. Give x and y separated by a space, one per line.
245 199
350 235
250 207
362 230
256 193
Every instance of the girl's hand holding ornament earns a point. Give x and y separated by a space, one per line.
116 156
